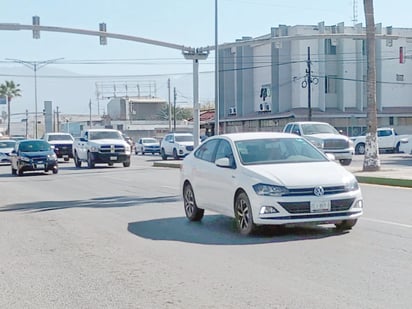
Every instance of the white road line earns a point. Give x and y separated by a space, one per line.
388 222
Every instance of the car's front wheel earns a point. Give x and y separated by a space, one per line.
345 162
163 154
126 163
346 224
175 155
90 162
77 161
193 213
243 214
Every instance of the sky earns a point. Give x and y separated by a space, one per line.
85 66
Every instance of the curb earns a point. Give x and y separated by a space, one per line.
406 183
166 164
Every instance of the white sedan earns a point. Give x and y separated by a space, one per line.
267 178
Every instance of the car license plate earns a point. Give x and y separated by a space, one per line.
65 156
320 206
39 166
113 158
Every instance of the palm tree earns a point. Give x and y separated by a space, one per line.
371 161
9 90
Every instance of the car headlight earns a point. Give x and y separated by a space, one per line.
52 157
127 148
269 190
317 142
94 149
25 159
352 185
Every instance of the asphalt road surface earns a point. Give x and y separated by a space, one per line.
114 237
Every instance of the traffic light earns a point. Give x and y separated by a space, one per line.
36 23
103 38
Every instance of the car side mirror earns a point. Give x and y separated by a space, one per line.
223 162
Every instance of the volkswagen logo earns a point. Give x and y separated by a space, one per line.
318 191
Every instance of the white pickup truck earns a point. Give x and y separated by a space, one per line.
101 146
388 140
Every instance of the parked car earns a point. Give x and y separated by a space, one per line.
325 137
147 145
388 140
176 145
6 147
268 178
62 143
33 155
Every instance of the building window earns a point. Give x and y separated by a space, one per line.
330 84
330 48
363 47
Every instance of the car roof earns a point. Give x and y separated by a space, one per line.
309 122
257 135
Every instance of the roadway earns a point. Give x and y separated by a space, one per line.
117 237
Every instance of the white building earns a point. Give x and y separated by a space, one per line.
264 82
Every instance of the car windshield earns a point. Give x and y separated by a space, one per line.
281 150
105 135
34 146
316 128
149 140
7 144
184 138
60 137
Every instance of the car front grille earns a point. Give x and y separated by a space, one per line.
335 144
112 149
304 207
310 191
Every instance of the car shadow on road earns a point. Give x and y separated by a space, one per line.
101 202
221 230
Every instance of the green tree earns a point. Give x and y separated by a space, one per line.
9 90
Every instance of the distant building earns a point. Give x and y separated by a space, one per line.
263 82
135 108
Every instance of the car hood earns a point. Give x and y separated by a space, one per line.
37 154
327 136
61 142
151 144
300 174
185 143
6 150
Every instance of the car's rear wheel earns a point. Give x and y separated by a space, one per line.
90 163
346 224
243 214
193 213
360 148
163 154
77 161
110 163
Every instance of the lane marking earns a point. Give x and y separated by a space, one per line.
388 222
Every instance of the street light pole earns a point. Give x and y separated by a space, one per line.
35 66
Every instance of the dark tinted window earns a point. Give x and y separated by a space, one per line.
207 150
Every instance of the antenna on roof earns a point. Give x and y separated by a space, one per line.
355 12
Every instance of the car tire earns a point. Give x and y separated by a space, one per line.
90 163
175 156
77 161
193 213
243 214
126 163
55 170
66 159
163 154
143 153
20 172
345 162
360 149
110 163
346 224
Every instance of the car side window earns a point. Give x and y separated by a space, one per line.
295 129
207 150
224 150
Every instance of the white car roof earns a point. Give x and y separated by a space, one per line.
257 135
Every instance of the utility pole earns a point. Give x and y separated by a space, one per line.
170 106
308 83
27 123
90 113
174 109
57 120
